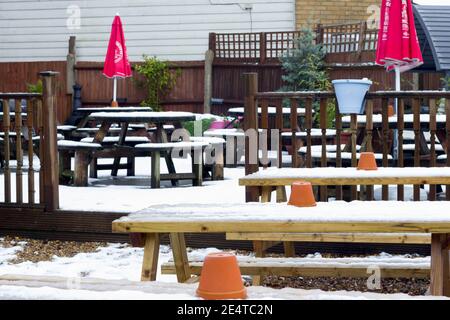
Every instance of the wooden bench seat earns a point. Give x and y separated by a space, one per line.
332 217
83 151
418 268
169 148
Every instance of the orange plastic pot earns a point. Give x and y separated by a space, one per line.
221 278
367 161
302 195
391 111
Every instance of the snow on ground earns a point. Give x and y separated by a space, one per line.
113 272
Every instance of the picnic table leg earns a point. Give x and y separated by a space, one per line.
266 194
81 168
258 247
161 137
440 281
123 134
155 167
281 194
93 172
151 253
197 166
180 257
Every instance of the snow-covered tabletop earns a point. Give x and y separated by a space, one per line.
337 216
408 118
349 176
270 110
114 109
157 117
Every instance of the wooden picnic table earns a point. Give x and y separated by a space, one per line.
408 120
126 118
347 176
333 217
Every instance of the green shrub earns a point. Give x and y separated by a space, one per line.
159 80
190 125
304 68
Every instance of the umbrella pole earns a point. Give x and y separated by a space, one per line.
397 88
114 102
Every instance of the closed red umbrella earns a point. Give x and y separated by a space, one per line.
398 46
117 64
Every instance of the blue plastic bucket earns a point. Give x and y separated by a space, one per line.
350 94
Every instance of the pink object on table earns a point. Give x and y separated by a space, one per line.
219 124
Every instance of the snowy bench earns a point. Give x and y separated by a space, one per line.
332 217
83 151
156 149
418 268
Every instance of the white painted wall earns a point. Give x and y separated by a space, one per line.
38 30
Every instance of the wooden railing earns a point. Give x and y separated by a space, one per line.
409 117
269 46
22 132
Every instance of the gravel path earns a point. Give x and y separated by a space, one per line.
42 250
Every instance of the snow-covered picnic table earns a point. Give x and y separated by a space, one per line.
348 176
332 217
125 118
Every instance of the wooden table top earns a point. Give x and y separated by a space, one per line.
408 120
347 176
113 109
271 111
326 217
153 117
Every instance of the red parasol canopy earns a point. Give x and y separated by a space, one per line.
398 44
116 62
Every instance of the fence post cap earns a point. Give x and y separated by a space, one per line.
48 73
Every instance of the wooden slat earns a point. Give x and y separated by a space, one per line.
308 126
385 132
400 160
433 128
416 126
323 159
259 268
350 180
19 152
338 125
265 127
334 237
279 126
31 189
7 152
440 284
185 226
368 140
353 129
294 129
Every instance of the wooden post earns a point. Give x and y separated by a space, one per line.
71 61
209 58
440 285
49 143
250 123
262 48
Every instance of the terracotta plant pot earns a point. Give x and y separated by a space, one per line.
302 195
114 104
391 111
367 161
221 278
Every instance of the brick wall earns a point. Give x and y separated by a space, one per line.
335 11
